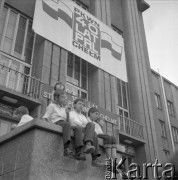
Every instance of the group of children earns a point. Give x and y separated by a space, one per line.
86 130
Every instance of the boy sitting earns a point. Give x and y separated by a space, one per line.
90 139
109 141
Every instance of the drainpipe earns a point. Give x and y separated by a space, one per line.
167 113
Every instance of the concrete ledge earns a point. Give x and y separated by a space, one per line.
36 123
42 124
34 151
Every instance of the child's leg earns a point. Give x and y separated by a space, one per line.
113 151
108 150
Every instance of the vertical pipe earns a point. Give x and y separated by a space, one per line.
167 113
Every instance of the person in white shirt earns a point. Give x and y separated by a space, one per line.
23 114
58 114
87 137
108 141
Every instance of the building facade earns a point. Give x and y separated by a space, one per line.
140 110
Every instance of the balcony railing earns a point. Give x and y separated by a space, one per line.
130 127
20 82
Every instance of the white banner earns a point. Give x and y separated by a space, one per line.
66 24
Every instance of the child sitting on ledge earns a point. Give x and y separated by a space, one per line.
108 141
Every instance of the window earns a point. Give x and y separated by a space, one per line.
16 45
170 108
167 154
175 134
122 94
124 123
77 76
158 100
116 29
16 35
163 128
81 4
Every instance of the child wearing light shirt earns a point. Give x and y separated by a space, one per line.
23 114
109 141
87 137
57 114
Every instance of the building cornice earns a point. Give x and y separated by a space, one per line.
142 5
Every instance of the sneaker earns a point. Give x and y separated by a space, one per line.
98 163
89 149
69 153
80 156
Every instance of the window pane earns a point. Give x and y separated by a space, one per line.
2 22
23 80
84 82
83 95
7 46
29 44
170 108
126 114
121 112
158 100
70 65
119 95
167 154
163 128
13 75
84 75
124 94
175 134
4 61
20 37
77 69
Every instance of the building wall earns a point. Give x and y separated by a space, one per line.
138 76
171 92
50 65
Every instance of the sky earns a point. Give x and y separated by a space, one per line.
161 27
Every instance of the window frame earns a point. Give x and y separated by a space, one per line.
166 153
71 81
175 134
121 106
12 52
158 101
170 107
163 128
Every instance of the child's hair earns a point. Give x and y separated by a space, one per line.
22 110
78 99
92 110
58 93
62 86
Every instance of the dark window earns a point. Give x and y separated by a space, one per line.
16 34
122 94
167 154
175 134
77 76
163 128
170 108
158 100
